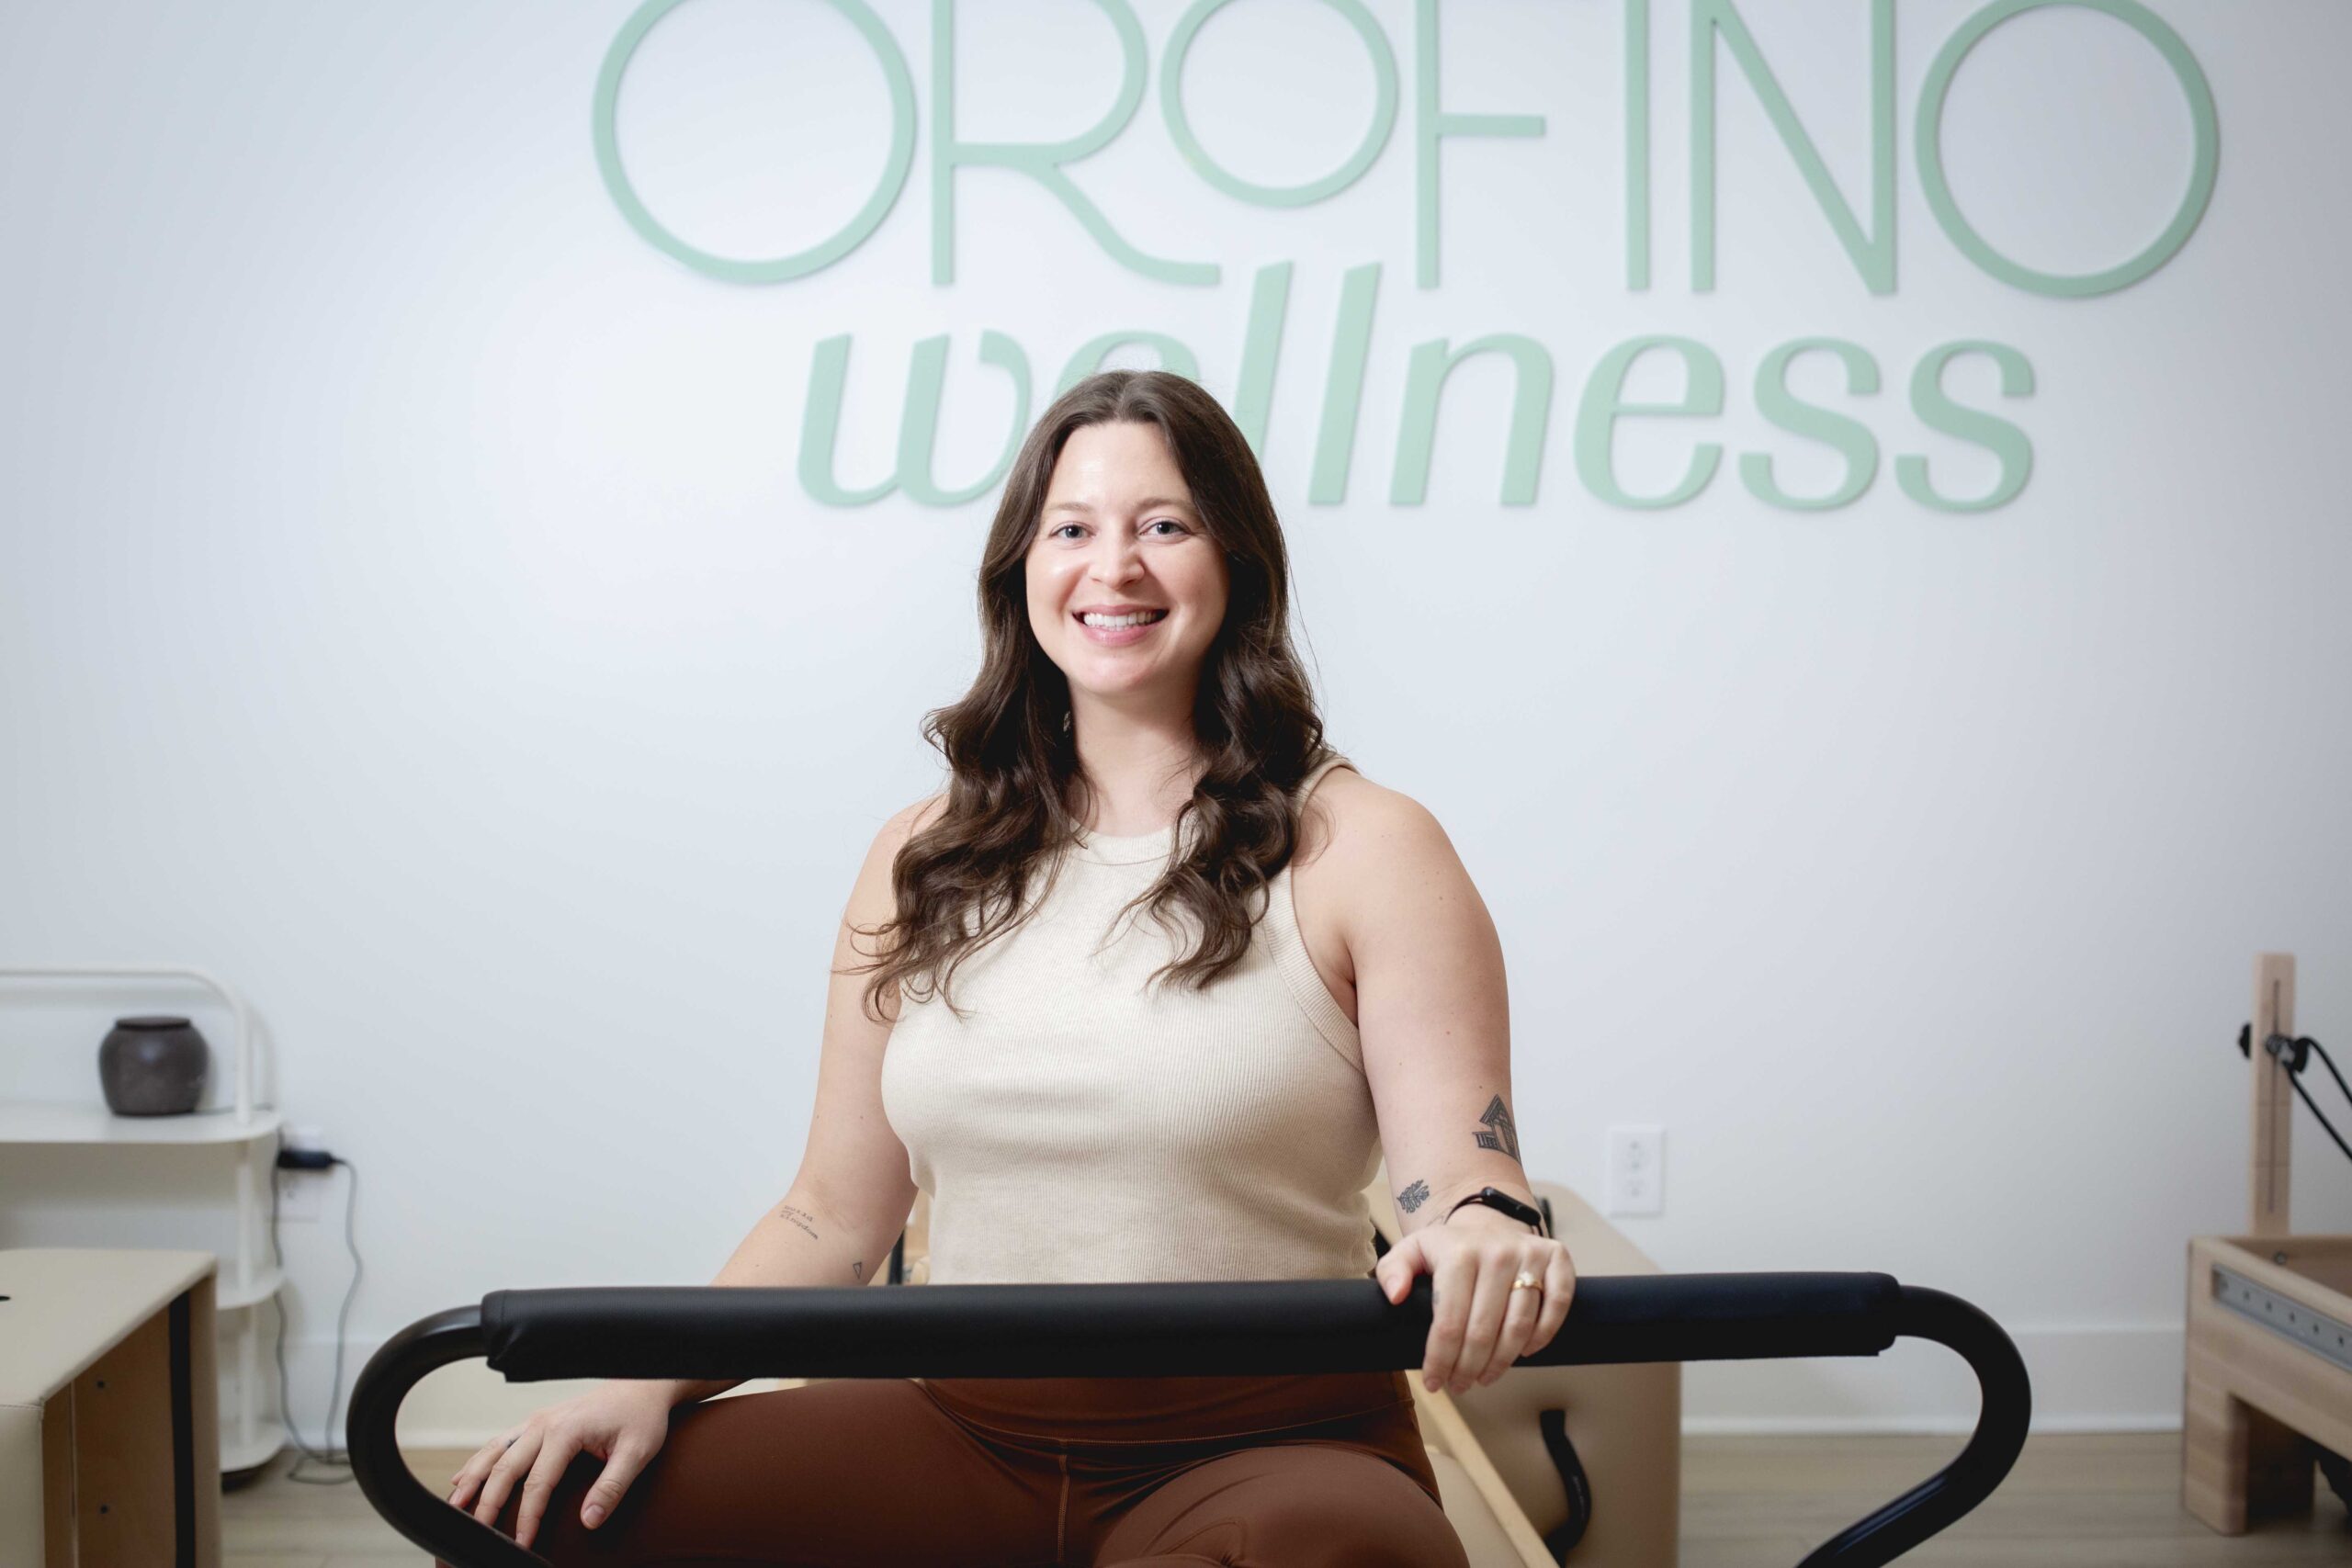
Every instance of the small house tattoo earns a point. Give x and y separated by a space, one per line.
1500 1134
1413 1197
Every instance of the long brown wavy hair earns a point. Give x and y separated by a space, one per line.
961 881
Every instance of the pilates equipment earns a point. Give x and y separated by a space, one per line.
1190 1329
2267 1385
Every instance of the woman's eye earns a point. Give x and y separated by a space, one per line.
1167 522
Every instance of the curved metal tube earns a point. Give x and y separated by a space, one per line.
1165 1330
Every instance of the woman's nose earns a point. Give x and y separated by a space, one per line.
1117 559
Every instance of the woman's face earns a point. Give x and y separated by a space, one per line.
1118 530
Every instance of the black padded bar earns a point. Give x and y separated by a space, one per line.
1168 1329
1188 1328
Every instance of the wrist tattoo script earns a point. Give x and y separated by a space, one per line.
1501 1133
800 1217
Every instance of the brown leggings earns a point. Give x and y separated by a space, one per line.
1297 1471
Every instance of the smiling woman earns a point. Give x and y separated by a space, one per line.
1087 1097
1121 562
1134 491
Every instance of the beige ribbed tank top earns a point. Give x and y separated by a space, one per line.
1071 1129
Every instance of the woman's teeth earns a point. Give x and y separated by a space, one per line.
1112 621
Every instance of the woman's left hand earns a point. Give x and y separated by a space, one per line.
1479 1325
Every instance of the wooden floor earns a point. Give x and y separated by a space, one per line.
2072 1502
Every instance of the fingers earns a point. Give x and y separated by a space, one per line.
1560 1289
546 1471
1514 1320
628 1459
1452 1283
477 1467
1396 1271
500 1479
1480 1327
1488 1301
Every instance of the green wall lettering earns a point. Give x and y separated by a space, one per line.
1603 403
1852 437
1714 24
1375 137
1261 346
1041 161
1872 253
918 423
1429 124
2206 158
779 269
1531 412
1335 438
1938 411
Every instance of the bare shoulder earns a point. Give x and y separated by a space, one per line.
1362 823
1368 857
873 898
904 824
914 819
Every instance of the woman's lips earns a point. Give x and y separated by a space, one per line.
1118 636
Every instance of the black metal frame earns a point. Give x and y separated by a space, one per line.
1190 1329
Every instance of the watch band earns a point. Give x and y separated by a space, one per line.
1495 1198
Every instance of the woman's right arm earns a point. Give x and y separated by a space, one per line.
850 1200
842 1214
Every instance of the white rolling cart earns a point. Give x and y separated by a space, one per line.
251 1435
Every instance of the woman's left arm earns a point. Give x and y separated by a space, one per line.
1435 1020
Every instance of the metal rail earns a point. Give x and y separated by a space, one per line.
1166 1330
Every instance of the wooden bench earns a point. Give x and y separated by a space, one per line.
109 1424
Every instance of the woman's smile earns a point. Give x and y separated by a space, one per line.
1121 629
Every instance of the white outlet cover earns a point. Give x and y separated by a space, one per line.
1637 1170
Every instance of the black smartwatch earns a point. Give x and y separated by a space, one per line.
1497 1198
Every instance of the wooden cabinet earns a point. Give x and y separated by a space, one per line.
110 1451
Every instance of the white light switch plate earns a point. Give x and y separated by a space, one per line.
1637 1171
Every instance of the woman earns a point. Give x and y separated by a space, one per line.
1090 1095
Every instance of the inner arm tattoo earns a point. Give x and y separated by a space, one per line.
1501 1133
802 1217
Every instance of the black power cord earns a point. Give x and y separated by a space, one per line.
335 1459
2295 1054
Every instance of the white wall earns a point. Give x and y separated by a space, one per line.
410 610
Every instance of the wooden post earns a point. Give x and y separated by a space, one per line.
2274 1099
2239 1462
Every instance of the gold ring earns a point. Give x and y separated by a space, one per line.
1526 1282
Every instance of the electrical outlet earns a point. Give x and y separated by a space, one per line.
1637 1171
299 1192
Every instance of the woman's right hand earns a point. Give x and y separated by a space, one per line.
622 1422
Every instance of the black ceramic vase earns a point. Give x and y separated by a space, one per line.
153 1066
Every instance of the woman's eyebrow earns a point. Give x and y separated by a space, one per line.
1144 505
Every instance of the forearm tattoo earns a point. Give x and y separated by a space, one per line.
1500 1134
800 1217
